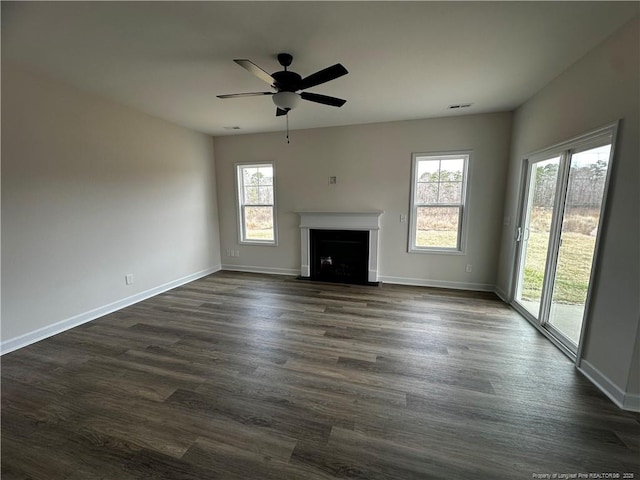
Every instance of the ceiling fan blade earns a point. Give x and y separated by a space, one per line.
324 99
323 76
280 112
251 94
256 70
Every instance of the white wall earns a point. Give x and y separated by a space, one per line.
372 164
600 88
92 191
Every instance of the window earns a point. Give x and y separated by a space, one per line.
256 203
438 194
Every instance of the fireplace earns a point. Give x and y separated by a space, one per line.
350 239
339 255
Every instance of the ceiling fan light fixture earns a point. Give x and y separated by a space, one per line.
286 100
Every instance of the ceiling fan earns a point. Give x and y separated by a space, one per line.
289 85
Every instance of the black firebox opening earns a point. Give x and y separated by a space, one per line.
340 256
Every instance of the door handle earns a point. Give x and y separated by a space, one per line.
518 234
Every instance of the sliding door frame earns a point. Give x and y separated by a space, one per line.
564 150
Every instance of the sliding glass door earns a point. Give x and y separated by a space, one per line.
563 197
578 230
535 233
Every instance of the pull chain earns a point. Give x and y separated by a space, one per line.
288 127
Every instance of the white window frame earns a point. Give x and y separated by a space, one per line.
462 206
240 204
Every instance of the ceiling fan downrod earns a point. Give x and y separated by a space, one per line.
285 60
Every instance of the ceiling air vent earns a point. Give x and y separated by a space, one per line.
460 105
232 128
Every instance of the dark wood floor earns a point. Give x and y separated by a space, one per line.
246 376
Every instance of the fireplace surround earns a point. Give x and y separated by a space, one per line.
364 221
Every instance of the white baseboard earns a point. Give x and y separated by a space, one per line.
616 394
631 402
502 295
481 287
420 282
40 334
254 269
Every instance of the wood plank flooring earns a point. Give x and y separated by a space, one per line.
247 376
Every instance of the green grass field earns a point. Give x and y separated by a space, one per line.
259 234
436 238
574 267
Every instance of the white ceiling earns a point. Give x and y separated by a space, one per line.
407 60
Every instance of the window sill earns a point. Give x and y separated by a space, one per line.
437 251
269 243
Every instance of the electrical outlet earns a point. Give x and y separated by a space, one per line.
333 180
403 218
237 253
469 268
228 252
128 278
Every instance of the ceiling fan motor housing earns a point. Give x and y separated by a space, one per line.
286 81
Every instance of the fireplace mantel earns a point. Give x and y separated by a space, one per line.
340 220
